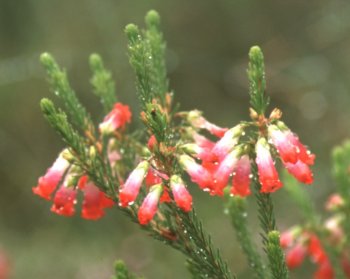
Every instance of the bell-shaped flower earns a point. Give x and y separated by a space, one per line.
94 203
296 255
198 152
182 197
116 119
129 191
286 149
241 177
49 182
198 121
300 171
64 201
224 172
198 173
227 142
149 205
268 175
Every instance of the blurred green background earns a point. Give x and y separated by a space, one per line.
306 46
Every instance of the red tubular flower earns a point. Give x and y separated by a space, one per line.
324 271
241 177
198 121
199 152
64 201
149 205
268 175
48 183
300 171
94 203
131 188
198 173
117 118
202 141
286 149
224 171
304 154
296 255
315 250
152 141
227 142
182 197
152 178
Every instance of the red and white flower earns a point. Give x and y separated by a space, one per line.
117 118
241 177
182 197
149 205
130 190
300 171
268 175
64 201
198 173
49 182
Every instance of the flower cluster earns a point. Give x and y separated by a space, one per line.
158 192
300 243
62 181
231 155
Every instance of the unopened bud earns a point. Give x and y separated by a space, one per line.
253 114
276 114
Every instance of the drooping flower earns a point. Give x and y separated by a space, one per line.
227 142
300 171
198 173
149 205
304 154
202 141
182 197
286 149
199 152
117 118
49 182
334 202
324 271
295 256
241 177
94 203
64 201
152 178
198 121
129 191
268 175
224 171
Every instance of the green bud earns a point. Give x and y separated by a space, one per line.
132 32
152 18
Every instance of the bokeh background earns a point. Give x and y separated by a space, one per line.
307 51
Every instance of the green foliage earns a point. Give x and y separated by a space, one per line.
236 208
122 272
341 169
257 84
301 199
102 82
276 257
61 87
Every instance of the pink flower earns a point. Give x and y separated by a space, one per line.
182 197
287 238
49 182
64 201
199 152
224 171
202 141
324 271
198 173
295 256
152 178
300 171
334 202
227 142
241 177
198 121
286 149
131 188
149 205
268 175
94 203
117 118
304 155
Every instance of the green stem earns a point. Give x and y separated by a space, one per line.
236 207
270 234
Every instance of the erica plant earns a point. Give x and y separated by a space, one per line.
149 174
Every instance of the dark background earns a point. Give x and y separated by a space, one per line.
306 46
